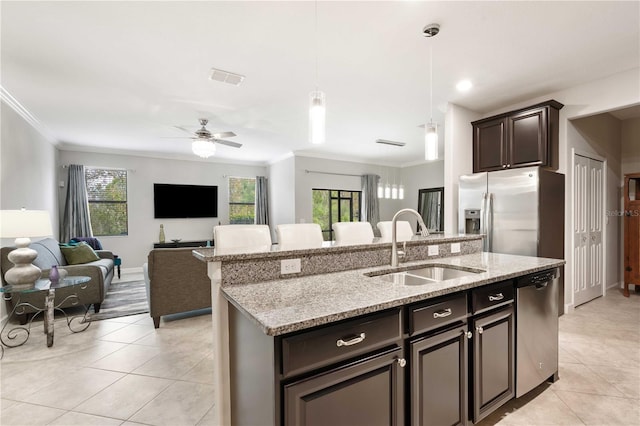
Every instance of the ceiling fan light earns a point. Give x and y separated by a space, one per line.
203 148
431 142
317 111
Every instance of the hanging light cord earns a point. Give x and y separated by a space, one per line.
316 36
430 84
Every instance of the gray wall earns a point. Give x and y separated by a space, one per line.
27 171
601 134
282 193
631 146
143 173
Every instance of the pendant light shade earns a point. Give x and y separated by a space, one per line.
317 117
401 192
203 148
394 192
387 191
431 142
380 190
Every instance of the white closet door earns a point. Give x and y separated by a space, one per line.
588 221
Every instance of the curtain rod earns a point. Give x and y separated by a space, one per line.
66 166
330 173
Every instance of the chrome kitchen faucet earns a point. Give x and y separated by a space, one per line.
394 243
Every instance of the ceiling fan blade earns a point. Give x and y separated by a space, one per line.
223 135
228 143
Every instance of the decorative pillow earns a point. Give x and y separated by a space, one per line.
79 253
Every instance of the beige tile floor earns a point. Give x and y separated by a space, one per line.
124 372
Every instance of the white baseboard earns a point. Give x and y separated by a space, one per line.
568 308
617 284
136 270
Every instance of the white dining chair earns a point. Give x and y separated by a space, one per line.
404 232
298 236
352 233
235 239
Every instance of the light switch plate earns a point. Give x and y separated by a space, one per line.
455 247
289 266
432 250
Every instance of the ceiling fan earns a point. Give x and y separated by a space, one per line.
205 134
204 141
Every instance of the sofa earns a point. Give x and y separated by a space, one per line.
49 254
177 282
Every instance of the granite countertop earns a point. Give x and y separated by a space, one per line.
213 255
283 306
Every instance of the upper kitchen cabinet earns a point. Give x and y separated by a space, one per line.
521 138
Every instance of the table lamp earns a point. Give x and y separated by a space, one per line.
21 225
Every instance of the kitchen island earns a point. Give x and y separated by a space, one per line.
270 334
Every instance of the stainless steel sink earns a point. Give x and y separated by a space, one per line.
427 274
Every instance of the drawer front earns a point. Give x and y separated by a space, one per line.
491 296
437 314
335 343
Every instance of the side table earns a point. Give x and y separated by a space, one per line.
18 335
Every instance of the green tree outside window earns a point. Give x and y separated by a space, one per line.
242 200
107 194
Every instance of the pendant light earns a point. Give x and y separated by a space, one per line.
431 130
317 107
380 188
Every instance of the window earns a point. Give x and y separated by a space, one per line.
242 200
107 192
334 205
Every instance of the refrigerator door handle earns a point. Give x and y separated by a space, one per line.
483 222
489 220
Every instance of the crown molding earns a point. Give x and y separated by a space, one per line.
15 105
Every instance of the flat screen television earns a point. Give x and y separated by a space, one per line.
172 201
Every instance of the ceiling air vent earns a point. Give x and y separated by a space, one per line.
226 77
386 142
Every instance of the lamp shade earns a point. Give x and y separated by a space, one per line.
203 148
25 223
317 113
431 142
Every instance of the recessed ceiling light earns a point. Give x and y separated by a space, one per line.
464 85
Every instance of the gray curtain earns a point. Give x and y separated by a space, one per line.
262 201
76 220
370 205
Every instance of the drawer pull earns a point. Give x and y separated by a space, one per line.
401 362
353 341
479 330
467 334
495 297
442 313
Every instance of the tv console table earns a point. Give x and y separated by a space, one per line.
171 244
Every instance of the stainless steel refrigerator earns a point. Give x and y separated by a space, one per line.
521 211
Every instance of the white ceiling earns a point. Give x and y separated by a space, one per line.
109 76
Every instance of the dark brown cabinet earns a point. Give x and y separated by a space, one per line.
521 138
439 378
493 353
367 392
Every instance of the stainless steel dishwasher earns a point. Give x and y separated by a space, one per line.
537 329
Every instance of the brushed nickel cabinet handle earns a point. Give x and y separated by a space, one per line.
496 297
467 334
353 341
442 313
401 362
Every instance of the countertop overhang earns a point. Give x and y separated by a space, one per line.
283 306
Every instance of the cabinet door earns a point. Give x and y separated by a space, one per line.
439 379
367 392
489 145
493 361
527 138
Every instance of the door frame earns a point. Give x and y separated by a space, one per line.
570 306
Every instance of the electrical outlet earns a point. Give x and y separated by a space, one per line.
289 266
455 247
432 250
